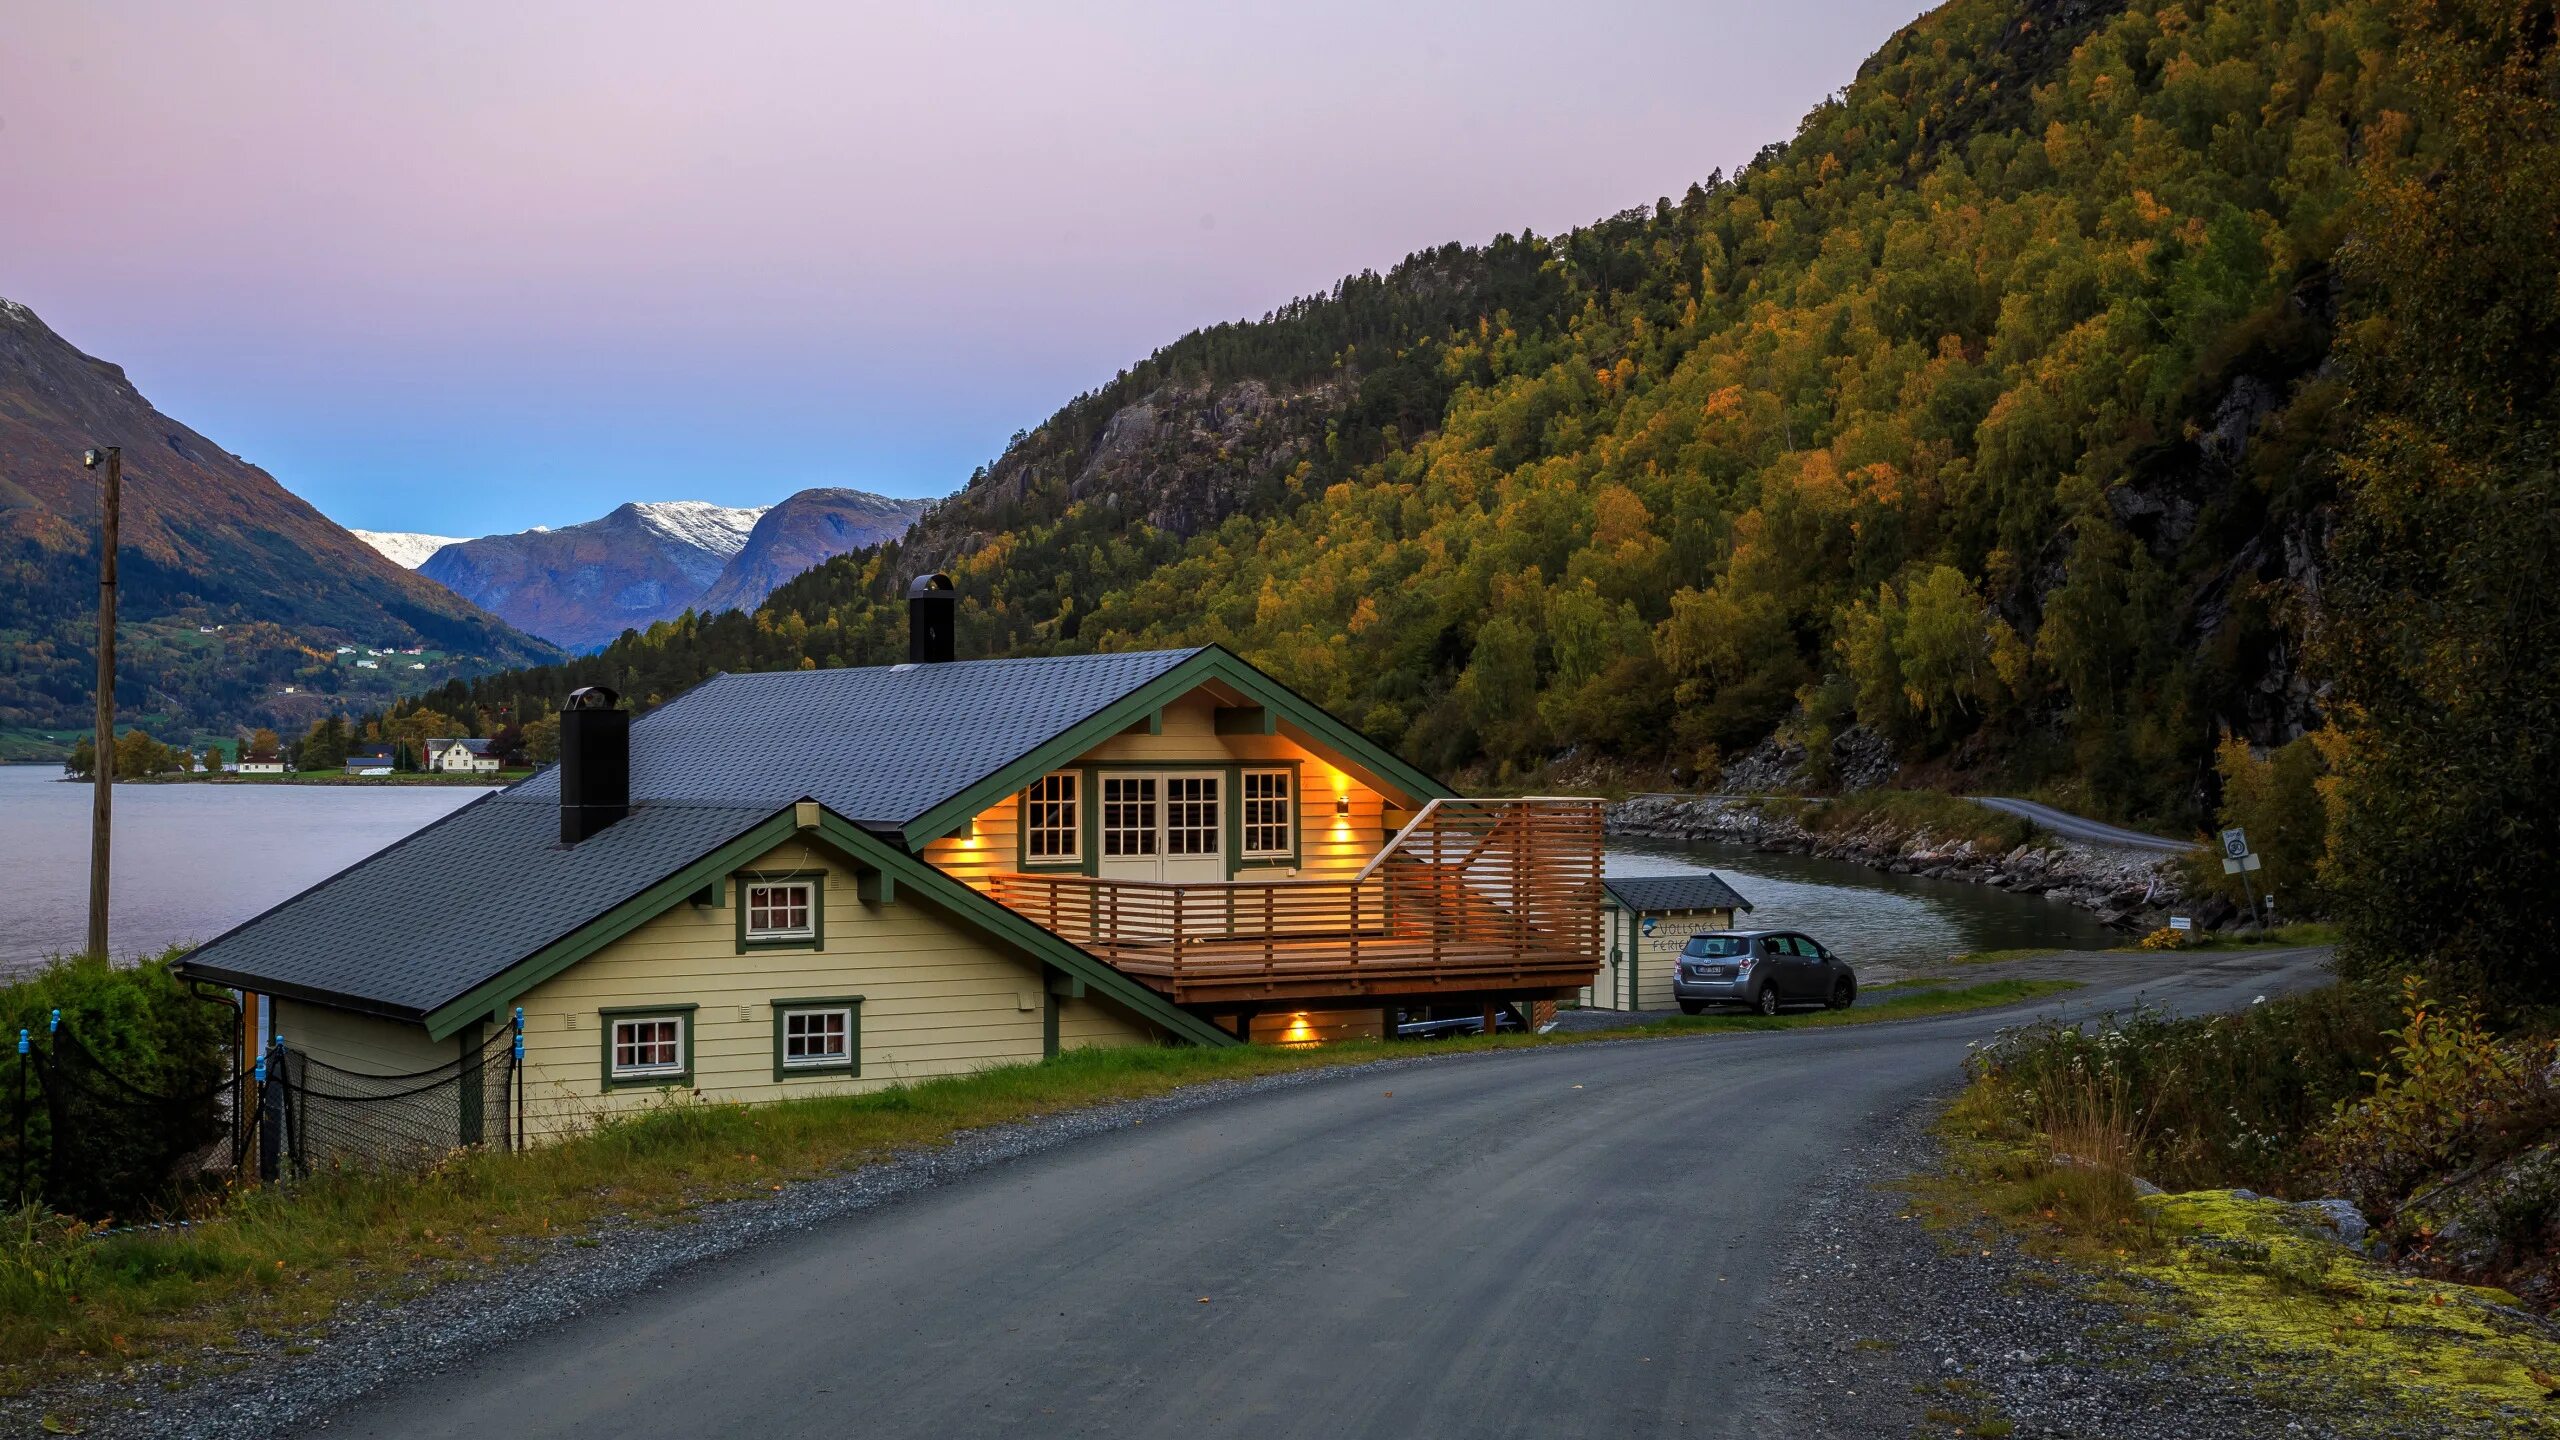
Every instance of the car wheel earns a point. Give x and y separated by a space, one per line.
1844 994
1693 1007
1768 1002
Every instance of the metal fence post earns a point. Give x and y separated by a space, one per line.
270 1119
26 1060
515 1085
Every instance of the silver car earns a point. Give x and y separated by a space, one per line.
1765 970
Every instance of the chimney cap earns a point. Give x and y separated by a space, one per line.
930 583
592 697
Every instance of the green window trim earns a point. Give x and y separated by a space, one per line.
605 1021
1237 859
850 1066
816 880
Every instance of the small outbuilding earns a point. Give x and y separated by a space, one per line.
1646 919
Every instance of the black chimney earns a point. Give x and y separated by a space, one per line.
933 609
595 763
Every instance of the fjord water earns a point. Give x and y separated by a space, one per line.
193 860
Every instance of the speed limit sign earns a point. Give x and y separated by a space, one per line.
2235 843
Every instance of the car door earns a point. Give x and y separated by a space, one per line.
1817 968
1803 968
1778 965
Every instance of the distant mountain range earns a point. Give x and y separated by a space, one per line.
234 593
582 585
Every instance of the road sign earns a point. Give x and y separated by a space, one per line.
2235 842
2182 922
2240 864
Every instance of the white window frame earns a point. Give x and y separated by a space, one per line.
1191 816
770 934
1285 822
846 1027
1120 827
675 1069
1062 793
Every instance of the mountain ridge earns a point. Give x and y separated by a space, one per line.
232 588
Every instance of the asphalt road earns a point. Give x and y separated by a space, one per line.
2074 827
1572 1241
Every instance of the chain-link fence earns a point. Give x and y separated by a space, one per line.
326 1117
92 1140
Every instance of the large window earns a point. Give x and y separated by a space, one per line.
1191 815
1270 829
1052 831
817 1036
648 1047
784 910
1128 815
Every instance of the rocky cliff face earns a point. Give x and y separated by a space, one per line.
209 541
807 529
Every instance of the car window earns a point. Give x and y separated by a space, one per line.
1711 947
1776 945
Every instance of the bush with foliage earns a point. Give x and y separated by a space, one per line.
2452 1094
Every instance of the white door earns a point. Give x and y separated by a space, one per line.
1162 826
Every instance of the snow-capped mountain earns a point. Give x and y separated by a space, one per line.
582 585
405 548
720 529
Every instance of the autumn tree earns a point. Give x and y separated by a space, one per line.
2441 631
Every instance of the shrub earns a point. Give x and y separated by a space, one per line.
2219 1100
2165 938
2454 1093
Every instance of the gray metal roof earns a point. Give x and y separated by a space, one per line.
1696 890
878 746
453 905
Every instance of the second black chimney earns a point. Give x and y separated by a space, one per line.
595 763
933 610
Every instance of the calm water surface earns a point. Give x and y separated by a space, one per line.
194 860
191 861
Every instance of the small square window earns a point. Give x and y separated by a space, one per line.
1051 829
646 1047
1269 826
781 910
817 1035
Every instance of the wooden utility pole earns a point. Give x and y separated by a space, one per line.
103 766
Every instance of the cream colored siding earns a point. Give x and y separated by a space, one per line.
1645 962
938 998
1090 1021
1326 845
366 1044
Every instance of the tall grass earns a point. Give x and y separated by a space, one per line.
1947 818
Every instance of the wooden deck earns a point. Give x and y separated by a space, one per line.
1474 897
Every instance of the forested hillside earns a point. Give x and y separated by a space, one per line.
1993 411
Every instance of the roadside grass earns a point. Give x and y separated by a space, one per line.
2044 1147
2304 936
273 1263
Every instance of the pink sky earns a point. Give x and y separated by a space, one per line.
468 267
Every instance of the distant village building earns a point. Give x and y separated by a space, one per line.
461 757
368 664
261 762
372 762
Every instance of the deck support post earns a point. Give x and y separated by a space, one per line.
1492 1013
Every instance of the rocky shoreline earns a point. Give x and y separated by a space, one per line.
2127 890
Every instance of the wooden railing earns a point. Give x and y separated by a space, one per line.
1471 894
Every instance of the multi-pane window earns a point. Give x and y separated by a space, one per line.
1267 821
814 1039
1128 815
1191 815
648 1045
1050 827
782 910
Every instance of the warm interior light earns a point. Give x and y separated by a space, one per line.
1299 1031
969 833
1341 805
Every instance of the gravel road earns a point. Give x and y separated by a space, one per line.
2086 831
1600 1239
